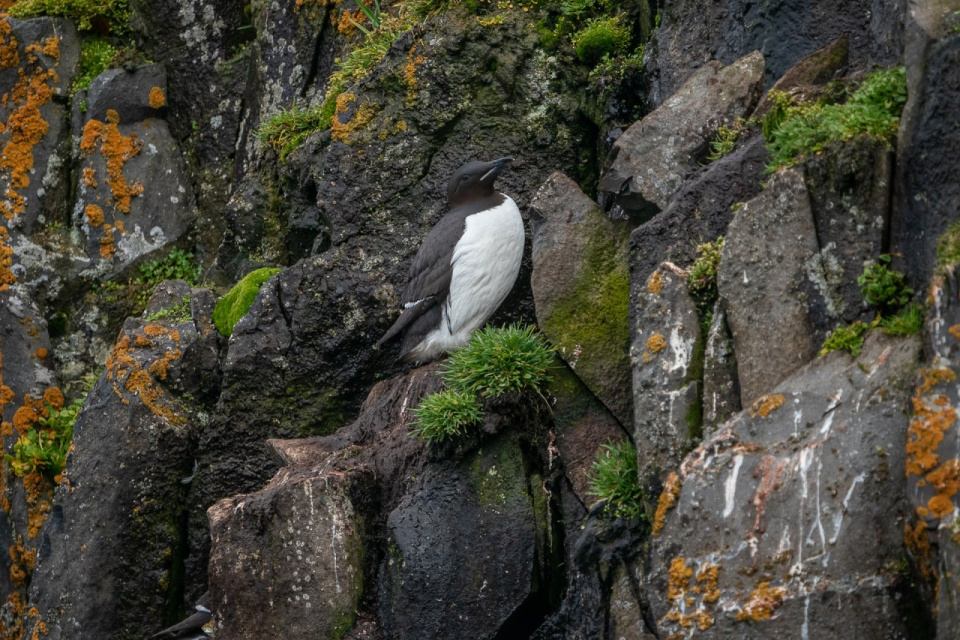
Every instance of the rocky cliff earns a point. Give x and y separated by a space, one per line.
742 223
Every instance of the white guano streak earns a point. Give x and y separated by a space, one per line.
730 488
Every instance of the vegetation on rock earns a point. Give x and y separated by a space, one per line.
948 247
114 13
794 130
883 287
847 338
702 282
96 55
601 38
446 415
236 303
44 447
614 479
726 140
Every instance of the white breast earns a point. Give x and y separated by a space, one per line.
485 262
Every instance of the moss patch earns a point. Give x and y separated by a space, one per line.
238 300
498 474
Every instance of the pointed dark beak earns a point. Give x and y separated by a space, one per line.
497 168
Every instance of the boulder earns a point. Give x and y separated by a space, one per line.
763 534
111 559
652 158
133 194
667 358
581 289
761 277
804 81
693 33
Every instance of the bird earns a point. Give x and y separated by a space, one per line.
195 627
465 268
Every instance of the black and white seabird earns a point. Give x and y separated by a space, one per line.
465 267
193 628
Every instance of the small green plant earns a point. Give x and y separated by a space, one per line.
725 141
702 282
794 130
287 130
177 265
236 303
45 448
601 37
179 312
906 323
614 479
116 13
372 14
498 361
948 246
96 55
848 338
883 287
446 415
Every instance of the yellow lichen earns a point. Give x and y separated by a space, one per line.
410 74
364 114
763 602
157 98
655 283
656 343
668 498
765 405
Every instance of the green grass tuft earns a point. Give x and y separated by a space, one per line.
702 282
446 415
45 448
908 322
233 306
614 479
96 55
287 130
725 141
883 287
82 12
601 37
874 109
498 361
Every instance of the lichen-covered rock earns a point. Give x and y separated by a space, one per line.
691 33
287 561
721 387
928 149
134 196
766 537
762 272
117 532
581 289
37 64
652 158
667 359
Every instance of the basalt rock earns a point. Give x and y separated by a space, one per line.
117 531
652 158
767 535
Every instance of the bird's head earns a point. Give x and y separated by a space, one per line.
474 181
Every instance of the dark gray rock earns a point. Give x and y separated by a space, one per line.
768 535
928 150
692 33
134 196
721 387
652 158
700 212
666 355
804 80
287 561
35 137
581 290
111 560
762 273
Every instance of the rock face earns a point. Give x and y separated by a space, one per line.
580 286
767 534
117 533
652 158
693 33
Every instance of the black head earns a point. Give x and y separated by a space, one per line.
474 181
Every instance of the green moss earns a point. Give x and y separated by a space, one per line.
794 130
848 338
498 476
96 55
948 246
115 13
233 306
179 312
593 318
601 37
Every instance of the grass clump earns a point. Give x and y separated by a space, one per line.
874 109
96 54
725 141
238 300
287 130
499 361
614 479
600 38
883 287
45 448
494 362
908 322
446 415
82 12
702 281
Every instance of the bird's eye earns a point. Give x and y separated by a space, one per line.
464 179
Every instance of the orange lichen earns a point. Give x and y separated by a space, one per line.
157 98
680 575
668 498
410 74
945 479
682 598
52 396
24 418
929 424
656 343
23 560
347 22
14 605
763 602
655 283
6 261
108 245
917 541
89 177
9 57
116 150
765 405
94 215
39 493
41 353
955 331
124 368
160 368
932 377
341 131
